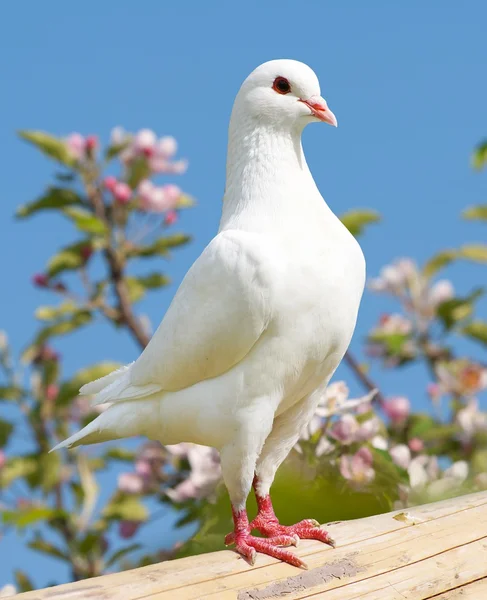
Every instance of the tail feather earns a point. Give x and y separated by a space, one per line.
126 419
93 387
118 386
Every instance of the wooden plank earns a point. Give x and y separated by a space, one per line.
477 590
417 581
330 569
375 544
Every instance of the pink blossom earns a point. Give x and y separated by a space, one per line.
110 182
379 442
47 353
118 136
40 280
3 459
130 483
368 429
461 376
434 391
394 278
440 292
153 452
204 476
345 429
76 145
397 409
394 323
416 445
8 590
122 192
143 468
145 141
128 529
458 470
52 392
172 193
401 455
471 420
157 199
86 252
171 217
166 147
91 143
179 450
358 468
335 401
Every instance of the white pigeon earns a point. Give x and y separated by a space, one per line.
261 320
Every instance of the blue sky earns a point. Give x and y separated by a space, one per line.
405 79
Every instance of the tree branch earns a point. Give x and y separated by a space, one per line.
364 379
116 266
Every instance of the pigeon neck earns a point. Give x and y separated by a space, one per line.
266 168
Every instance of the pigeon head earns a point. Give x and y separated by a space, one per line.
283 93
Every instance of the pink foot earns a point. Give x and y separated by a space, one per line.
267 523
248 545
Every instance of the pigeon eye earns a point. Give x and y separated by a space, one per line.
281 85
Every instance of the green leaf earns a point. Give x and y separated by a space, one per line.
477 330
74 321
154 280
139 170
475 252
72 257
136 290
70 389
116 556
113 151
356 220
22 581
126 508
89 542
67 325
6 429
439 261
160 247
49 145
479 157
49 313
478 212
420 425
47 548
50 470
120 454
28 516
457 309
53 199
185 201
137 286
85 220
16 467
10 392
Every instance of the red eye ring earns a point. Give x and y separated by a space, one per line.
281 85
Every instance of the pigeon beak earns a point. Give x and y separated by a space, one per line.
320 110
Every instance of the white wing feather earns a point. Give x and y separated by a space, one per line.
217 315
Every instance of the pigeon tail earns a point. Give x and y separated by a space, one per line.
126 419
118 386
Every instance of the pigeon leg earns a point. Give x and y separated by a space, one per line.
238 460
284 435
267 523
248 545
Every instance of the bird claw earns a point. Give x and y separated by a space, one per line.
276 540
309 529
248 545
